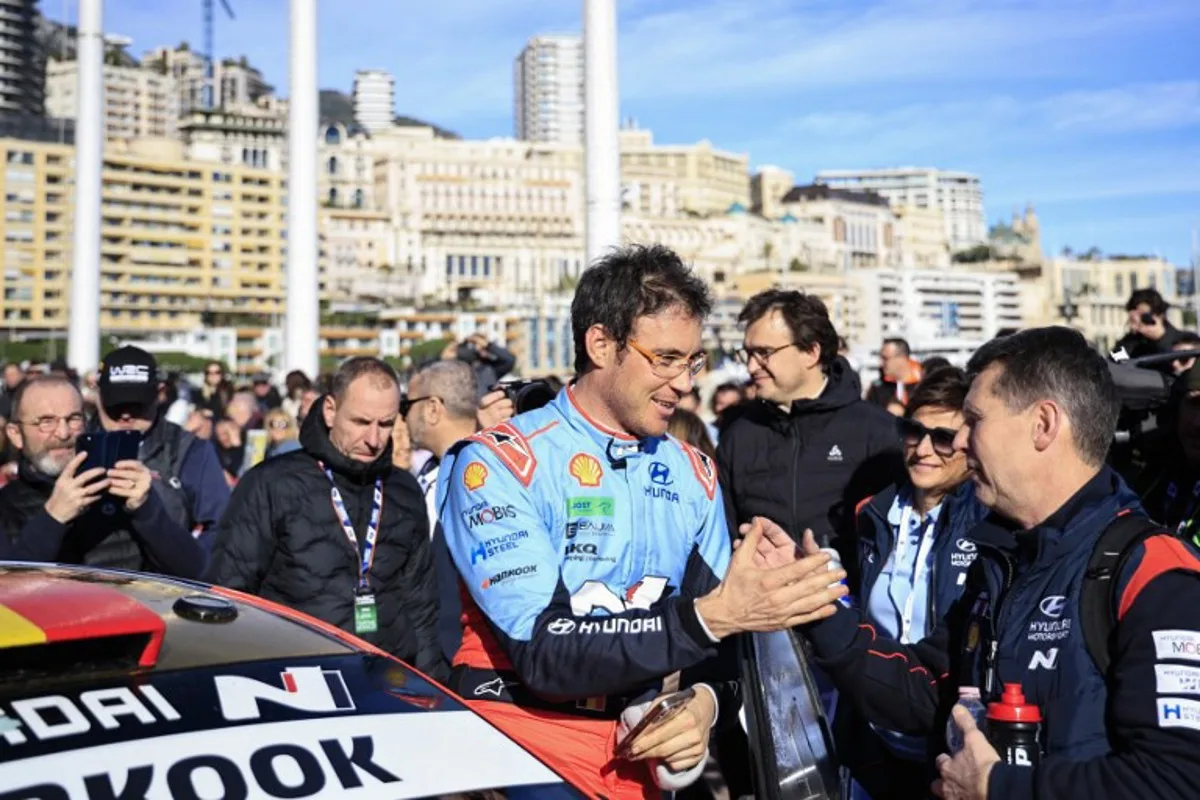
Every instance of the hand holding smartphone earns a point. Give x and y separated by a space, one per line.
663 709
105 448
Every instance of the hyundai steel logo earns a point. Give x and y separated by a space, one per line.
660 474
1053 607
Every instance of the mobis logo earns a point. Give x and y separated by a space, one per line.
309 689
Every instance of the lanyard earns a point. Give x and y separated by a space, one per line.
919 568
339 508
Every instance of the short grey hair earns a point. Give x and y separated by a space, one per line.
455 383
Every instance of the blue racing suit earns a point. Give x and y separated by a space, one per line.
582 551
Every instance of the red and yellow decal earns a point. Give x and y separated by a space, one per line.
475 476
586 470
42 609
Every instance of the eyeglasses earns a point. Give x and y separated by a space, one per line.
761 354
406 403
671 367
49 423
279 424
942 439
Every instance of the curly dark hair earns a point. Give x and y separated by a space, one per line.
628 283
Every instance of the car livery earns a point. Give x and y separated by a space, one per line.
116 684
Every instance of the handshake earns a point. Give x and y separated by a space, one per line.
772 584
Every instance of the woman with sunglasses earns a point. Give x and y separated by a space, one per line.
913 558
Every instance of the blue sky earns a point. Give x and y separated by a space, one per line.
1090 109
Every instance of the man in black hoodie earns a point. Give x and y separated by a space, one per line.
809 448
334 530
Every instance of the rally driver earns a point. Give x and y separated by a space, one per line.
591 545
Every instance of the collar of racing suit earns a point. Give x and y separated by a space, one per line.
618 445
314 438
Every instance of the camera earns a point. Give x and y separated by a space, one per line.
527 395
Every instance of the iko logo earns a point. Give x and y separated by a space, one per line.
1053 607
561 626
835 453
660 474
304 689
581 549
1044 659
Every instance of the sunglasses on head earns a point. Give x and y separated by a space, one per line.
942 439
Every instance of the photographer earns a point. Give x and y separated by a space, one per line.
1150 331
490 361
104 517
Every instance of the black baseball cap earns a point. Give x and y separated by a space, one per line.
128 377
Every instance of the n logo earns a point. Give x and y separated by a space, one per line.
309 689
1044 659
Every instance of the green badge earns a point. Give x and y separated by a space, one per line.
591 506
366 619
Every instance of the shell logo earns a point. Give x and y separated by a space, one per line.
474 476
585 469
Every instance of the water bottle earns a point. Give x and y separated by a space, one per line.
968 698
1015 728
835 563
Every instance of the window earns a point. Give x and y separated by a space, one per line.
333 165
333 135
333 196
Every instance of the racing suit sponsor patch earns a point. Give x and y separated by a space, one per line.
591 506
510 574
485 514
585 469
1178 712
475 476
497 544
510 447
1176 679
1177 644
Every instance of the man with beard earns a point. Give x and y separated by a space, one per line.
101 517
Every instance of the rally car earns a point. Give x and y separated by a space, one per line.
124 685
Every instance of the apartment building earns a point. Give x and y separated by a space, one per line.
22 62
138 102
374 99
236 85
958 195
861 225
675 180
548 90
182 243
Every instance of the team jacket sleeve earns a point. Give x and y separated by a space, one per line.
169 545
244 543
508 560
725 471
201 472
1154 706
892 685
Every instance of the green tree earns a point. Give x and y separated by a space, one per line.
428 349
974 255
797 265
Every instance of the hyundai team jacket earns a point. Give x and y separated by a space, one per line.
582 551
1135 735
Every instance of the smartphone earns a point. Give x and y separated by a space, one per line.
105 448
665 708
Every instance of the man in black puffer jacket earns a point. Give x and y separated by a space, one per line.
334 531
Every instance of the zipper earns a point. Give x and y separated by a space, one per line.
797 531
991 676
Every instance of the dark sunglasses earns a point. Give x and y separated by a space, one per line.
406 404
942 439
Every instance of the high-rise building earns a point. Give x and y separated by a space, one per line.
22 76
958 195
374 99
138 102
180 241
548 87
